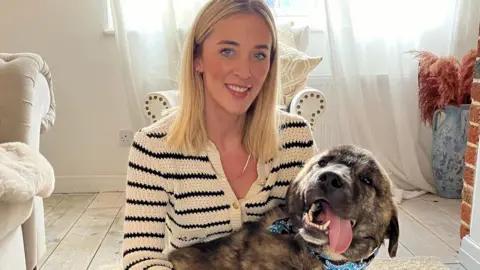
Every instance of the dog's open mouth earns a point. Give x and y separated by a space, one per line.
320 217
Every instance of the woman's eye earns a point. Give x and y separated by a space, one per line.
260 56
226 52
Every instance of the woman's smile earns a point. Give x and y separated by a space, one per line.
238 91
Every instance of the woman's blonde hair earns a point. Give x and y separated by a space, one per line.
188 131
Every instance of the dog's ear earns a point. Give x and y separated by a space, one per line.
393 232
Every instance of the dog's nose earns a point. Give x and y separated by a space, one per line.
331 179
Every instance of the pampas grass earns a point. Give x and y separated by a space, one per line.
443 81
466 76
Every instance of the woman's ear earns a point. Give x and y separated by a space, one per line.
197 63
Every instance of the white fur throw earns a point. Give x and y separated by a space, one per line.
24 173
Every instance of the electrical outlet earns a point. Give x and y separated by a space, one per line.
126 138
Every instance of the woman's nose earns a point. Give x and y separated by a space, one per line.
242 69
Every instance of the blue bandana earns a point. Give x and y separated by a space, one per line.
284 226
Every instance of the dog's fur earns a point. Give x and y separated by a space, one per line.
365 196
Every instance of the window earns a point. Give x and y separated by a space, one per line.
305 12
109 27
293 8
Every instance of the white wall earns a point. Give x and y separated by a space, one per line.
91 102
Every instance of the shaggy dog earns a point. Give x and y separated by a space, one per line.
339 211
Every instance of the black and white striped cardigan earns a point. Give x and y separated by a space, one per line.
175 200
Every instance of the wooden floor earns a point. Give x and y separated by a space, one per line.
84 231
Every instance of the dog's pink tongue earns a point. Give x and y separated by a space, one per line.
340 231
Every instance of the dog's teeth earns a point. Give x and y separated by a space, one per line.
310 215
320 227
325 225
310 221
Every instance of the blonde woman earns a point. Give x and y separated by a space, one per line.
227 154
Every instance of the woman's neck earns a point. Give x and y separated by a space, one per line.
223 129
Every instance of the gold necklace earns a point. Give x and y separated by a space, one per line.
245 167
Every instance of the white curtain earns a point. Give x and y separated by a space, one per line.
372 98
148 37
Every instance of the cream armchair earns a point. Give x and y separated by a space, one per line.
27 109
295 66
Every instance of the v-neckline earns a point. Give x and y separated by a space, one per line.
215 160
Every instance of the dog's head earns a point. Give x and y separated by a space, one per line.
341 204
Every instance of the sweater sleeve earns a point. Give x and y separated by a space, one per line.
145 209
306 135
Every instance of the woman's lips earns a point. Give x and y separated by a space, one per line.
237 88
238 91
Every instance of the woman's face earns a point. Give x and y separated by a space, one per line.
235 61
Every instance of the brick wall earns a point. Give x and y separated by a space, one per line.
472 148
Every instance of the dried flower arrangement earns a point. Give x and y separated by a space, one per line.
443 81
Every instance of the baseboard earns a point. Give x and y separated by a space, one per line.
469 253
89 183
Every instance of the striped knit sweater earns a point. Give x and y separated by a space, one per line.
175 200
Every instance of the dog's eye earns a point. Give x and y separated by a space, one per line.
322 163
366 180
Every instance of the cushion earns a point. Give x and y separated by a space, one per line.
296 36
294 69
24 173
285 34
301 34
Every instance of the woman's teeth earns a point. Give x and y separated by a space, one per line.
237 88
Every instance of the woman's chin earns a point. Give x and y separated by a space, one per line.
236 108
237 111
231 102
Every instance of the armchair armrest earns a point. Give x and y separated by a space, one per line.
310 104
157 102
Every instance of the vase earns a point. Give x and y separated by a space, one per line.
448 149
